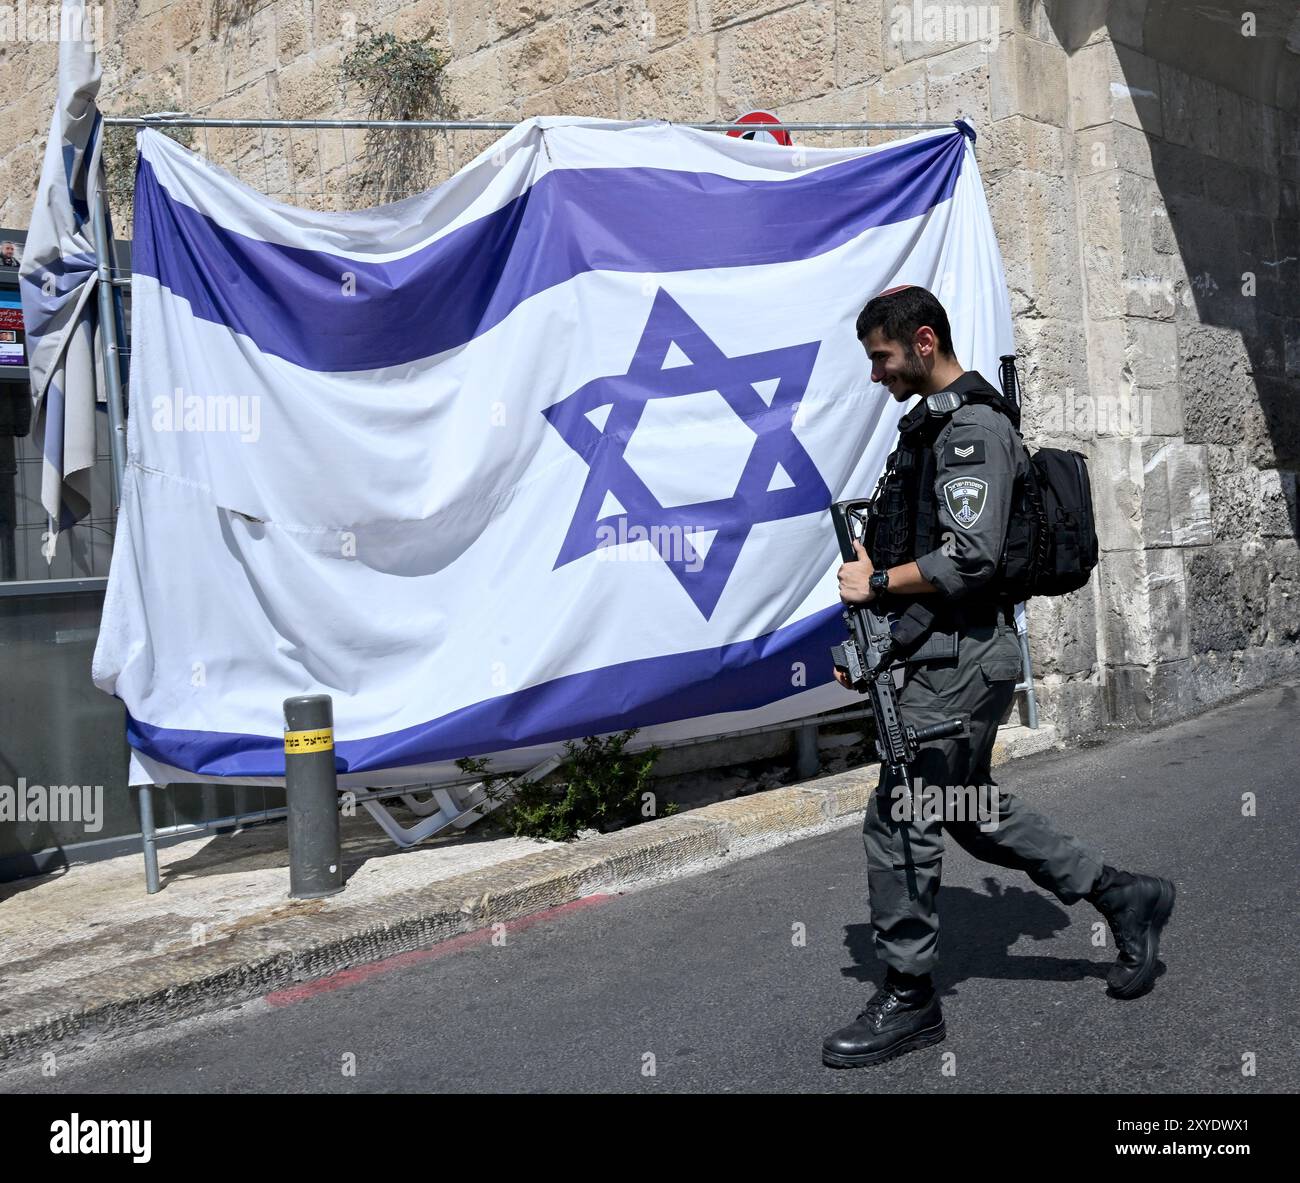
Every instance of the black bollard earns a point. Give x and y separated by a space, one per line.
311 789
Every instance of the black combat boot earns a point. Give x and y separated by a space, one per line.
1136 908
902 1016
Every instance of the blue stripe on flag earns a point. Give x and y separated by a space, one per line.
291 302
737 677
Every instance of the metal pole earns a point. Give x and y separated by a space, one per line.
806 761
312 791
149 840
483 124
108 337
112 367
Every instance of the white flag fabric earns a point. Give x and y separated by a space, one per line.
59 282
545 452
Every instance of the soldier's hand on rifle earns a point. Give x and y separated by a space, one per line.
855 587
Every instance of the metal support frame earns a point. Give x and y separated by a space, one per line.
448 806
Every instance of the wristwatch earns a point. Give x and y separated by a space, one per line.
879 581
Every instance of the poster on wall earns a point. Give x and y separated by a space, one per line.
12 337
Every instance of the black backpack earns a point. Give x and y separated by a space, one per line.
1051 543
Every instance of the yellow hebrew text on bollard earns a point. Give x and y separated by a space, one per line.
297 743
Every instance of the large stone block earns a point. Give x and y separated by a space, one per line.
471 26
146 48
1177 170
669 21
1090 73
858 43
1125 614
1112 145
481 82
1102 238
957 85
1028 77
1110 83
250 49
1267 346
1189 110
1278 504
1124 22
1166 595
309 87
293 30
1032 18
512 15
913 29
1260 136
1134 368
1151 350
841 105
1075 705
1115 465
1175 494
898 97
1234 493
1150 268
205 80
1224 586
1053 367
538 60
729 12
432 18
607 33
1063 631
776 59
1273 426
1033 216
1214 371
592 94
1026 144
183 23
1182 688
1128 696
717 753
1261 667
1284 593
673 83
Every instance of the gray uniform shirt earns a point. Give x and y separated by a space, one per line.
977 457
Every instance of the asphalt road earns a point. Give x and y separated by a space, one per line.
701 986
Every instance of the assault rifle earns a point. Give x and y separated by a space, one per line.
870 656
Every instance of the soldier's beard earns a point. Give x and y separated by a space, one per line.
912 372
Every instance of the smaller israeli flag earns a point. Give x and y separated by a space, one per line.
58 280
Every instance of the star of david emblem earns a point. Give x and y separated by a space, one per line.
716 456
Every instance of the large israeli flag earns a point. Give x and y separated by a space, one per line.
543 453
58 278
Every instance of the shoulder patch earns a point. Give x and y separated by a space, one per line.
971 452
966 497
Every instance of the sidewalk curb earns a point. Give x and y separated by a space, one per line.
320 937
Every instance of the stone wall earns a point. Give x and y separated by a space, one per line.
1140 159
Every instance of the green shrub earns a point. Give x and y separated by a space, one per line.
599 786
400 78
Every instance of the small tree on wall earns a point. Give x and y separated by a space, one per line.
401 78
119 158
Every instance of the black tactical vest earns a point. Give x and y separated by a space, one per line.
904 523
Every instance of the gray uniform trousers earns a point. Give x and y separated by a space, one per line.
905 857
